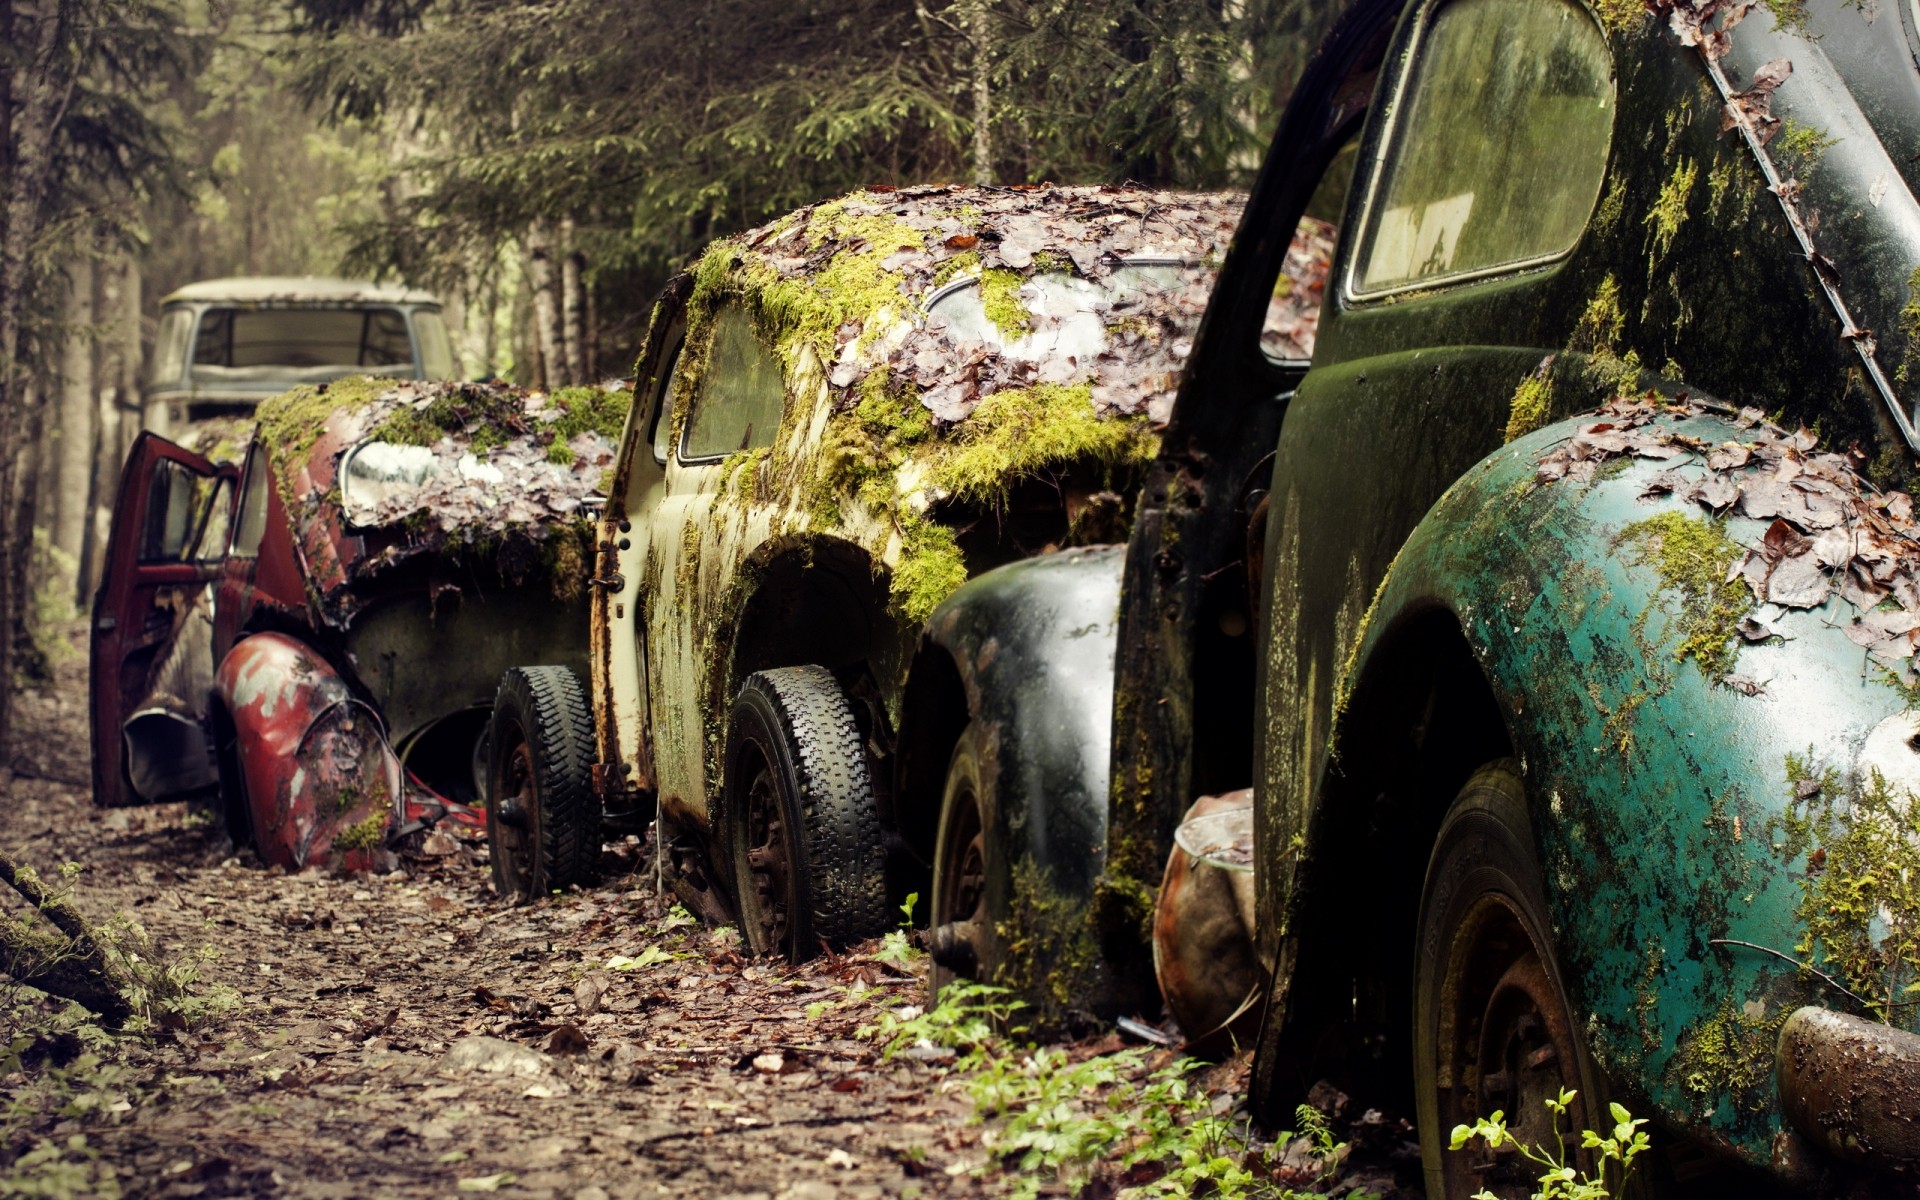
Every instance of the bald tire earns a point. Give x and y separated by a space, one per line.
544 710
797 722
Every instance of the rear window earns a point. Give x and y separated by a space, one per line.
436 349
170 348
1499 148
368 339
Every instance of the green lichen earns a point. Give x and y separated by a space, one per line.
1000 299
362 835
1048 953
1531 402
1693 558
1669 211
1860 893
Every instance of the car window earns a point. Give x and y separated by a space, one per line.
1065 316
1499 146
170 348
436 349
176 504
211 545
367 339
661 434
253 506
738 405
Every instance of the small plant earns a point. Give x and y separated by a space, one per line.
896 946
1558 1180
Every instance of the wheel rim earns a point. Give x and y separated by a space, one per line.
769 860
1506 1046
960 902
515 810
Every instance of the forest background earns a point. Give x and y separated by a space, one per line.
545 166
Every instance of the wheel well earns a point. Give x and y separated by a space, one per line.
817 603
1421 719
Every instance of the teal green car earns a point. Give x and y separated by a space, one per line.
1560 610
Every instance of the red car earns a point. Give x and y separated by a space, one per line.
314 637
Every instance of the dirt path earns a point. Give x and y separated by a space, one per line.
328 1046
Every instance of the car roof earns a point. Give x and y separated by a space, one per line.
297 289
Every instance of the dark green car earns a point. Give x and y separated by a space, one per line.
1561 611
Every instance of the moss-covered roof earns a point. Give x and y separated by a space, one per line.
851 279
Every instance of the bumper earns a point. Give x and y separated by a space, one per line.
1852 1087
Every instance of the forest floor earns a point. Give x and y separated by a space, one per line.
411 1035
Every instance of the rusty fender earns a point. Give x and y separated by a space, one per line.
320 781
1032 643
1685 806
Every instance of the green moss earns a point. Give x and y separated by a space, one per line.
292 422
1801 147
1693 558
1612 205
1014 433
1620 16
1602 323
1860 892
1531 402
566 556
1720 182
1730 1053
1788 14
1669 211
560 454
965 262
1910 328
362 835
930 569
590 410
1000 298
1048 953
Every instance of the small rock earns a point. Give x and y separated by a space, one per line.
496 1056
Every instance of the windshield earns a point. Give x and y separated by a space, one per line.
1056 318
244 345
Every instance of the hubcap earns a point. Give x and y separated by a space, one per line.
516 810
957 942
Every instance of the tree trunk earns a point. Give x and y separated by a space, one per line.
980 27
573 306
116 390
72 963
73 451
551 368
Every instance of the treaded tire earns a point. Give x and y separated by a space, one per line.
543 821
1489 998
809 861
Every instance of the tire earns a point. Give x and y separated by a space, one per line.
809 862
966 944
543 821
1493 1028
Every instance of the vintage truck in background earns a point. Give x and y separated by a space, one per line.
314 636
841 416
1559 609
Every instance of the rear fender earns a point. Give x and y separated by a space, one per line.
1685 824
321 783
1029 647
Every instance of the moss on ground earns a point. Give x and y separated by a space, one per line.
1693 558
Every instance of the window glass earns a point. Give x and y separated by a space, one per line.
1067 315
176 502
236 340
663 411
1500 148
436 349
211 545
738 407
253 506
170 348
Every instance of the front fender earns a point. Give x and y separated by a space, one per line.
1694 819
1032 646
321 782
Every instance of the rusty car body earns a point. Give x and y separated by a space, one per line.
842 415
313 636
224 345
1559 608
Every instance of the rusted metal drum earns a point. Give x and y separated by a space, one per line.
1203 920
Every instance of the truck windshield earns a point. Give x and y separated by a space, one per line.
246 344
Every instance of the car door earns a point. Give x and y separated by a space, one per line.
152 631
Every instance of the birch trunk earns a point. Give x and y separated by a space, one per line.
981 34
573 307
72 491
546 308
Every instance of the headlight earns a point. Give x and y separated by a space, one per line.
380 480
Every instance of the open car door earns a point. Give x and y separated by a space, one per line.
152 638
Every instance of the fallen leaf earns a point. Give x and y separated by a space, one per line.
488 1183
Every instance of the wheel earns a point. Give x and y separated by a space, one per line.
1492 1025
543 822
808 858
965 943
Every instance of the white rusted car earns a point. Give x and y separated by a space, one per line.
840 417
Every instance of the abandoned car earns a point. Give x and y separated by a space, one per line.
224 345
1560 608
314 636
841 416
